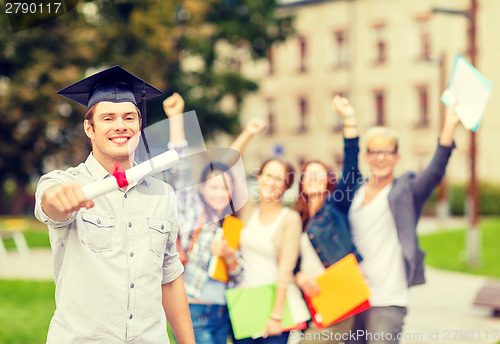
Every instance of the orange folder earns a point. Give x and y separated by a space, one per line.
231 227
343 293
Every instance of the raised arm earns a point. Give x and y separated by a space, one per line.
342 106
173 106
189 204
254 127
429 178
180 175
350 173
450 126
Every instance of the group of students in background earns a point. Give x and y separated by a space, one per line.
375 218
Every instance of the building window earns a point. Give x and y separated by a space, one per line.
380 44
341 53
302 54
303 115
270 117
423 107
270 61
425 39
379 107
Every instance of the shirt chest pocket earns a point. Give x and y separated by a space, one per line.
159 231
97 231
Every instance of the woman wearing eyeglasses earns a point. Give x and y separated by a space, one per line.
323 203
269 245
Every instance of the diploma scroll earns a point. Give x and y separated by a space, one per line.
134 174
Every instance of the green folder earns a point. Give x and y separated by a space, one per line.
251 308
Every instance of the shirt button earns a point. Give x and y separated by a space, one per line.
162 227
131 316
98 221
129 224
125 195
132 285
131 254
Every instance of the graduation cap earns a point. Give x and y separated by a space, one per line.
115 85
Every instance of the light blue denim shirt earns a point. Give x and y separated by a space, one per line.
111 260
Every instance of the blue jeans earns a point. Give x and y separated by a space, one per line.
281 339
210 323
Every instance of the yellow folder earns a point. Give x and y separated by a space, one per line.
232 227
342 288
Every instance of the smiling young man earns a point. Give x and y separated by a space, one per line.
112 144
383 218
116 267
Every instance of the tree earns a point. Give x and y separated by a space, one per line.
35 123
151 38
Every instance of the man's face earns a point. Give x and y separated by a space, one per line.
113 134
382 158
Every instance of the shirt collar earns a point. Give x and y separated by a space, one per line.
99 172
95 168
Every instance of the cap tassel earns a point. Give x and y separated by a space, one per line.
144 119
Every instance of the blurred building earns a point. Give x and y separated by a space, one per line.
392 59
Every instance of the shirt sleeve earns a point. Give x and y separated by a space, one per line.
351 177
179 173
47 181
172 266
189 204
432 175
288 248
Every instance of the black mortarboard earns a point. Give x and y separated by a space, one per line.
114 84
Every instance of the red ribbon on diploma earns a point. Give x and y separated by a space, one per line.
120 177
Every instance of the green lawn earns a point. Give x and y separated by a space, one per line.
33 238
447 249
26 308
35 233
